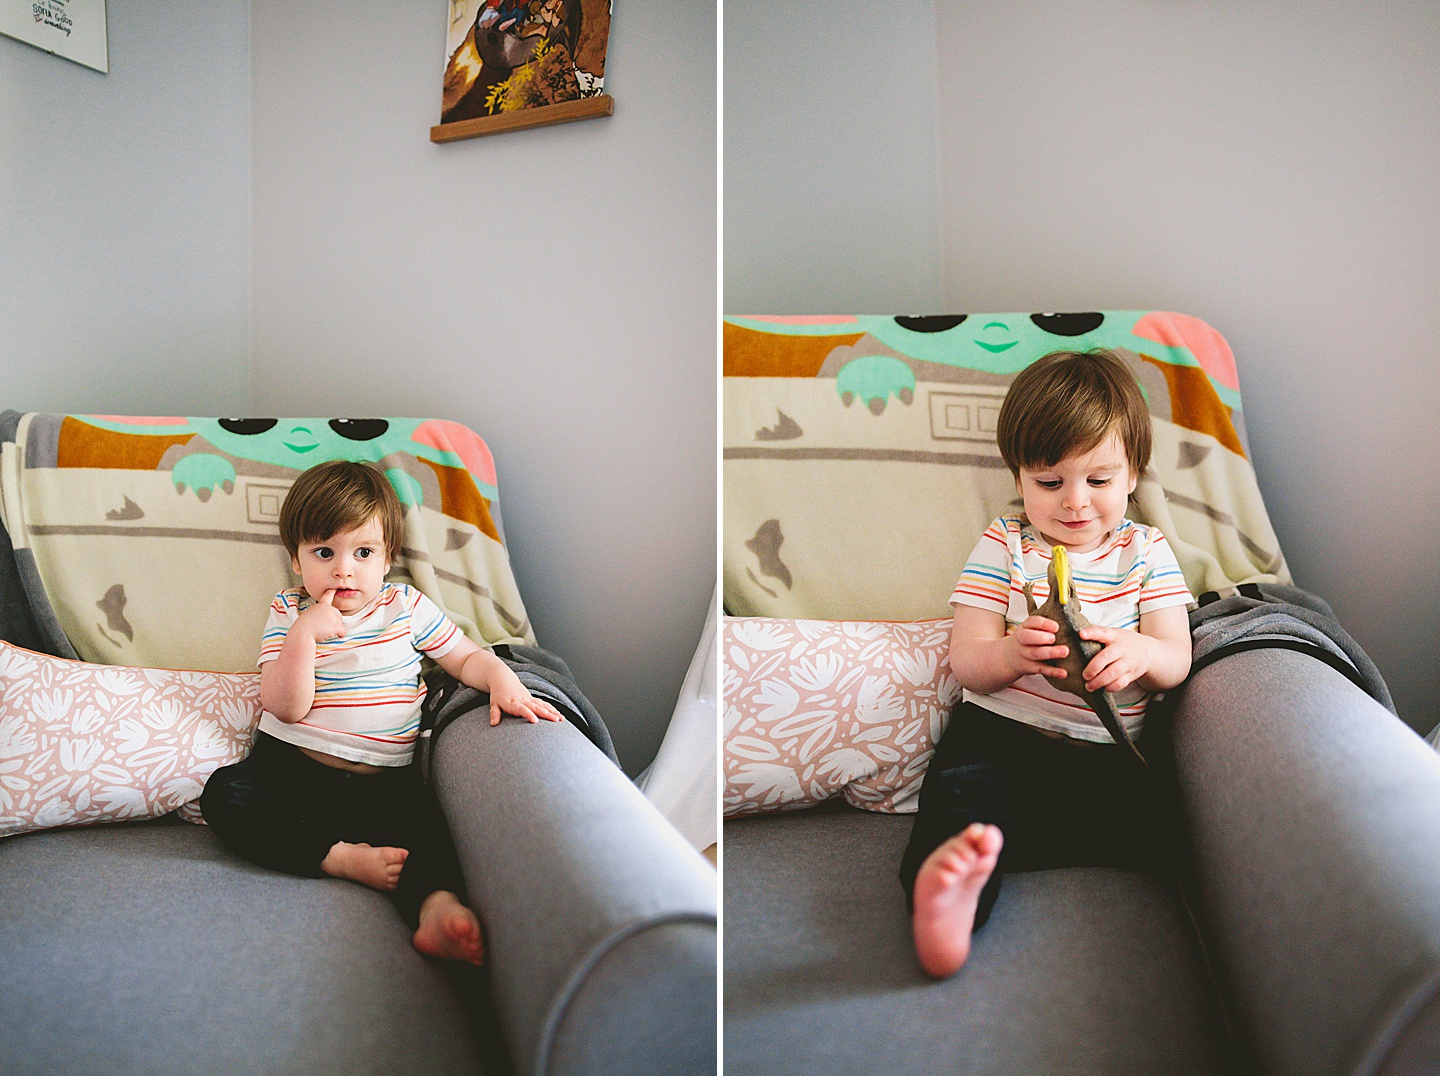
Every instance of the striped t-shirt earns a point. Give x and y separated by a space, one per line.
368 689
1134 571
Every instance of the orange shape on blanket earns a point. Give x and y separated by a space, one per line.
1196 405
1208 346
460 499
750 353
83 445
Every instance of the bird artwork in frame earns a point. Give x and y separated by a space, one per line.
511 64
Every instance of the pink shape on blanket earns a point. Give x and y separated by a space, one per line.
143 420
446 436
805 319
1208 346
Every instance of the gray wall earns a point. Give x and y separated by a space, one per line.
553 289
125 217
830 182
1269 167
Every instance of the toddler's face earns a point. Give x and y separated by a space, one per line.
1079 501
352 564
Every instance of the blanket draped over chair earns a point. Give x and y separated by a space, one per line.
861 467
154 541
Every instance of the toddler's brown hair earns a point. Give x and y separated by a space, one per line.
338 496
1068 402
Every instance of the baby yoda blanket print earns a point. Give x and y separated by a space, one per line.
861 465
155 540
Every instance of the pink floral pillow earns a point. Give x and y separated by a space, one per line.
83 743
817 708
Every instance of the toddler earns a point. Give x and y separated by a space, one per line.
1025 775
328 788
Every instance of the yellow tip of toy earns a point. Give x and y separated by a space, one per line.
1062 574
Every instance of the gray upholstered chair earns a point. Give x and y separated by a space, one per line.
146 947
1297 927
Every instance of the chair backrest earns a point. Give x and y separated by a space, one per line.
155 540
860 463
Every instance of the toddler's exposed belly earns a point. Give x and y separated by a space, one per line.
342 763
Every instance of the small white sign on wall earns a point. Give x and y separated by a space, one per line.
74 29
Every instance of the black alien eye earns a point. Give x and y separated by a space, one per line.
930 323
1068 324
359 429
247 427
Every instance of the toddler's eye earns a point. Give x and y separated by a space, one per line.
363 553
324 553
1048 483
1099 481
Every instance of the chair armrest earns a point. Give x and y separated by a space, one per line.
600 919
1314 818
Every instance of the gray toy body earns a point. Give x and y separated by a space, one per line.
1063 607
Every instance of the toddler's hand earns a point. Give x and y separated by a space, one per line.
1124 660
322 621
510 697
1032 644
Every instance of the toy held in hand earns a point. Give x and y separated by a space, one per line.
1063 607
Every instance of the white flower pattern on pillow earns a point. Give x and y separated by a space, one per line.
763 635
84 743
816 709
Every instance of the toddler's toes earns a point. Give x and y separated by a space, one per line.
946 895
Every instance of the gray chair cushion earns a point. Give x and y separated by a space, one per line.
1086 970
148 948
1315 816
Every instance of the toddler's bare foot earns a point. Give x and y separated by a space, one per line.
448 929
947 890
379 868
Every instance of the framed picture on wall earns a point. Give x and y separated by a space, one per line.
74 29
511 64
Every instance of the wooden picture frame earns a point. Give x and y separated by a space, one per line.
513 64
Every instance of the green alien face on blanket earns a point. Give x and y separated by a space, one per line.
293 442
924 346
298 443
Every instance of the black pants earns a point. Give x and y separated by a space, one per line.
283 810
1058 803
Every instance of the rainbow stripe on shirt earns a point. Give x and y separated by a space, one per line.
1132 573
368 690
